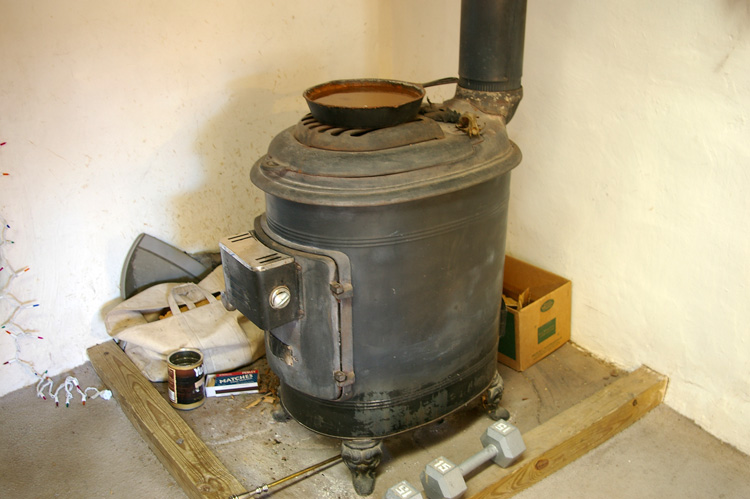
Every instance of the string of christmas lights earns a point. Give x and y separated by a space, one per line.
69 385
10 325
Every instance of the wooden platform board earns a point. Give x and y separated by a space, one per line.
565 405
186 457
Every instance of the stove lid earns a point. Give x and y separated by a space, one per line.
298 168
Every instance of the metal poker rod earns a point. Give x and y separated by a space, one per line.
264 488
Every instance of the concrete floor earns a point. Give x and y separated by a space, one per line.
94 451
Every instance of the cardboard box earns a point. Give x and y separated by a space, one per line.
538 318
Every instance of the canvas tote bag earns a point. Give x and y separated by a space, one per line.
227 339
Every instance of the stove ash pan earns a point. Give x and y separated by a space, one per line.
377 276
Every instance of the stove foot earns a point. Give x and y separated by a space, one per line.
279 413
362 457
492 399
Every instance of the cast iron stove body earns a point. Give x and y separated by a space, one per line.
399 259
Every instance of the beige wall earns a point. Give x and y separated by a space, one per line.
129 117
635 185
124 117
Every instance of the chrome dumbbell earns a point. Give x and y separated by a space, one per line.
442 479
403 490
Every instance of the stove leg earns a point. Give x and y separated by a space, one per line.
493 396
279 413
362 457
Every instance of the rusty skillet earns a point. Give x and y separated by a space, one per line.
367 103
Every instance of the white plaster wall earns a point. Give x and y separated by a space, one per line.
635 184
147 116
143 116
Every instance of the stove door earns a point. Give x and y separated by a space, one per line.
313 353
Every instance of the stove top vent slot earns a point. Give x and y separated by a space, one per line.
313 133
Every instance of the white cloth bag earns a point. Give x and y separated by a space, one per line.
227 339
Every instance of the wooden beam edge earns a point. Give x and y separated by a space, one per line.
573 433
192 464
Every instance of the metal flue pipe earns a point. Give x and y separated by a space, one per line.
491 47
491 55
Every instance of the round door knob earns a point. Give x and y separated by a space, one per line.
280 297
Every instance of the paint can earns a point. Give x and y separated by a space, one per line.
186 379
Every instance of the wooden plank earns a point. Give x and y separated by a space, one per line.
573 433
183 454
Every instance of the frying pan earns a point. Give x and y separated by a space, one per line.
367 103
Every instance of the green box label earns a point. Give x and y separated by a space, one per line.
507 344
545 331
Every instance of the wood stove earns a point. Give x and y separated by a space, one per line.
376 269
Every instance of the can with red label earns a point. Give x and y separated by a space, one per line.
186 379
